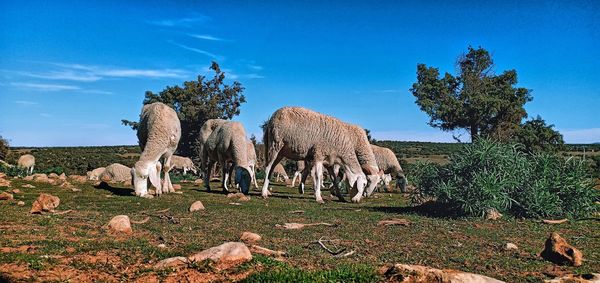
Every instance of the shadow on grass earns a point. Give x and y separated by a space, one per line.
115 191
428 209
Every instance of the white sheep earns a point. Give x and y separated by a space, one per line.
228 144
26 161
389 165
207 128
183 163
279 172
95 174
252 161
116 172
302 134
159 131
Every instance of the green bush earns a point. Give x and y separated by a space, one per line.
488 174
13 171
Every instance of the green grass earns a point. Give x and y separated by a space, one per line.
468 244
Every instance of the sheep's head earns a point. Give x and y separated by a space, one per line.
373 181
243 178
401 182
141 173
356 180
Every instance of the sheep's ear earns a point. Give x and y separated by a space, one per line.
154 175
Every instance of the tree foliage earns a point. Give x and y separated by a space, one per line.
197 101
3 148
476 99
536 136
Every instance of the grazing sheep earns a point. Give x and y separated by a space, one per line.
302 134
252 161
388 164
116 172
228 144
279 173
183 163
298 173
26 161
207 128
159 131
95 174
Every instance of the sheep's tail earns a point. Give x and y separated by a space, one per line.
266 139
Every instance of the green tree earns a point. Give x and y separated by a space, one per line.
197 101
476 99
371 139
536 136
3 148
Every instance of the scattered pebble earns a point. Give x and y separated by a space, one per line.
197 205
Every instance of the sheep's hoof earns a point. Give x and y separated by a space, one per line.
320 201
148 196
265 196
355 200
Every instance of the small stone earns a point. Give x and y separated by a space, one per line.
78 178
6 196
162 246
176 187
62 177
198 181
250 238
16 191
4 183
197 205
28 186
511 247
45 203
581 278
28 178
120 224
492 214
239 196
40 178
558 251
21 203
172 262
230 252
53 176
423 274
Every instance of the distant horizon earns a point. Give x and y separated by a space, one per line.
70 71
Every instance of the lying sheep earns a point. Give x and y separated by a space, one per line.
95 174
183 163
116 172
302 134
388 164
228 144
159 131
26 161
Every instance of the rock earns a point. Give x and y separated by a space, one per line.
239 196
4 183
6 196
198 181
62 177
492 214
20 203
16 191
230 252
511 247
395 221
558 251
45 203
2 175
29 186
120 224
66 185
197 205
78 178
162 246
250 238
172 262
424 274
40 178
176 187
584 278
53 176
28 178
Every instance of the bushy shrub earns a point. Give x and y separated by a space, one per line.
488 174
13 171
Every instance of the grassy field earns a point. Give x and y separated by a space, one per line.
75 247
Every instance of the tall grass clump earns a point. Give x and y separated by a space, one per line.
488 174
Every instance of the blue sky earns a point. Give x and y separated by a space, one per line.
71 70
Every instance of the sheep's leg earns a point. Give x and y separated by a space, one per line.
318 175
269 173
254 176
303 178
168 187
208 170
296 174
336 184
184 170
225 170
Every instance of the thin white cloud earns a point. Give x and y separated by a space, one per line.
207 37
255 67
253 76
200 51
183 22
140 73
65 75
26 102
45 87
97 91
